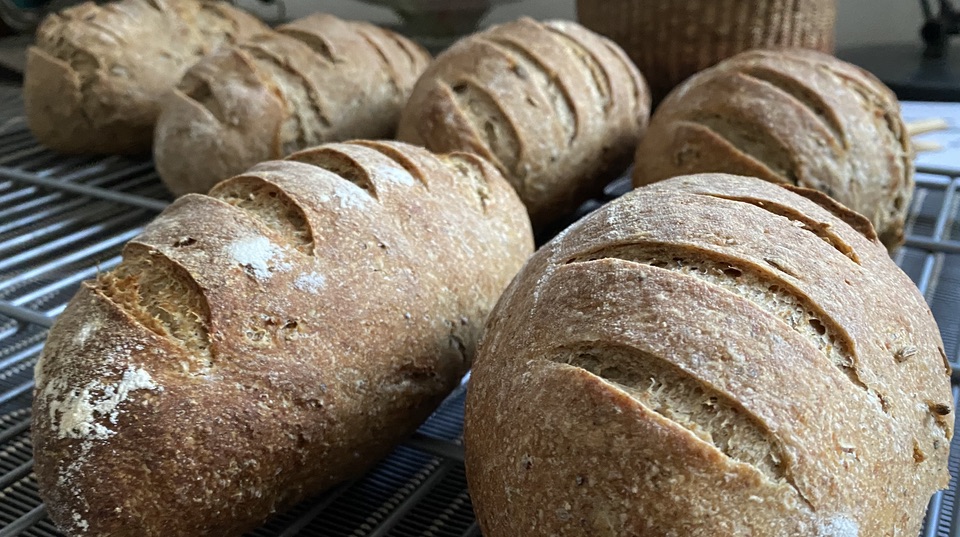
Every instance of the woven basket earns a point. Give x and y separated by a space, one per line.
670 40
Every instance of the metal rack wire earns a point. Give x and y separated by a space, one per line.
63 219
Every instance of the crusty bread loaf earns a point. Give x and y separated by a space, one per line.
271 339
709 356
94 79
670 40
797 117
315 80
555 106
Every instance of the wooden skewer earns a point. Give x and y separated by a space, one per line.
921 146
922 126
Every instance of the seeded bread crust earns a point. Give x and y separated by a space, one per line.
270 340
316 80
709 356
95 76
797 117
556 107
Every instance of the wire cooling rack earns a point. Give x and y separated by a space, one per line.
64 219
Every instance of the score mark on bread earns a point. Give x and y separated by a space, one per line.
96 75
711 355
793 117
271 339
556 107
680 397
158 293
314 80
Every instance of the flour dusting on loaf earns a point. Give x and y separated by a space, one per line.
838 527
351 196
88 414
258 255
80 413
711 355
312 282
271 339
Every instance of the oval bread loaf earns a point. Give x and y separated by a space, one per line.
555 106
797 117
315 80
271 339
94 79
670 41
709 356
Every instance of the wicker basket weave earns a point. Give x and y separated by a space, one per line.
670 40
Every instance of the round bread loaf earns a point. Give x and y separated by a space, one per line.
710 356
670 40
796 117
316 80
94 79
555 106
270 339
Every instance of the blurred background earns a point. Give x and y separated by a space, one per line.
882 36
859 22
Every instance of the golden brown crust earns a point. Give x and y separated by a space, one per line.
796 117
96 74
190 155
271 339
555 106
854 219
670 41
708 356
315 80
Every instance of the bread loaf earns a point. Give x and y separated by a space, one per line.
94 79
670 40
271 339
556 107
315 80
796 117
709 356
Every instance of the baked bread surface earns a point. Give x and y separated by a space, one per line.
555 106
315 80
710 355
95 76
797 117
270 340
